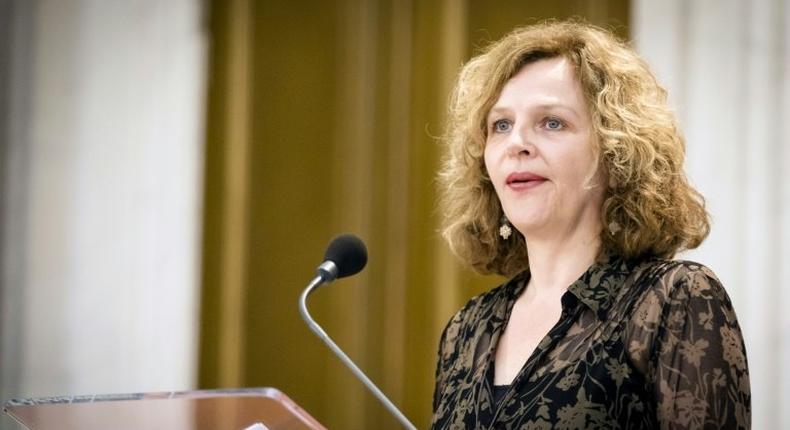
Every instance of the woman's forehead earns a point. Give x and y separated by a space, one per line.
546 83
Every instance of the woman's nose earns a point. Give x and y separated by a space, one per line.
520 141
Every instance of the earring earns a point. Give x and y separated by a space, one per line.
614 227
504 230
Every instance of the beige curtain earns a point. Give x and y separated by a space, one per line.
323 118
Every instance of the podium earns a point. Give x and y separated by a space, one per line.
235 409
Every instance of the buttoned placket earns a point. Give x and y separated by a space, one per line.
571 307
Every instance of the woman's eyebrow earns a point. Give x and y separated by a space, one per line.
542 106
497 109
558 106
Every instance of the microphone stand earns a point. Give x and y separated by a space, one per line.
327 272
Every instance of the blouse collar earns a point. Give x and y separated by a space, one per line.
596 288
599 285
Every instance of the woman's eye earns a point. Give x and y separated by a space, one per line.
501 126
553 124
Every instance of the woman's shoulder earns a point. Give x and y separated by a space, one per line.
484 303
663 289
665 267
675 304
499 295
678 279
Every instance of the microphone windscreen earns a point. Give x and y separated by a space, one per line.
349 254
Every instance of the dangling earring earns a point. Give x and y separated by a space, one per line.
504 230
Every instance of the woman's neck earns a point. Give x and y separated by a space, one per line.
554 265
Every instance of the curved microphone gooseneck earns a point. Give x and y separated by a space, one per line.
345 256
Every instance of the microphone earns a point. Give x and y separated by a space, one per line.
346 255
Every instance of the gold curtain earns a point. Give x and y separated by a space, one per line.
322 119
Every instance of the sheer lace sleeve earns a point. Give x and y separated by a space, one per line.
698 360
447 353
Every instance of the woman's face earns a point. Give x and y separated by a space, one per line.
539 152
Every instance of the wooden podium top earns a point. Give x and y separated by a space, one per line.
236 409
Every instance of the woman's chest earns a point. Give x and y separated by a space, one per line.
528 325
577 378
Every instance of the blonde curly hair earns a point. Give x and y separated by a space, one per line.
649 207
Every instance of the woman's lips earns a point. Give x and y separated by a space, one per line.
521 181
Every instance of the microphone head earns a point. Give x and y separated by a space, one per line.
349 254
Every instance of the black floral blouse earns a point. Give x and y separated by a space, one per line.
639 345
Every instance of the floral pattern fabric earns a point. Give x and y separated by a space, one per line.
639 345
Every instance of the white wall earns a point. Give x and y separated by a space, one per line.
102 197
726 64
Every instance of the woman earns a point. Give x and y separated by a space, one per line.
564 173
